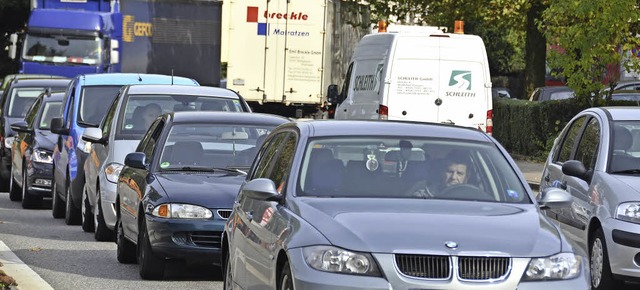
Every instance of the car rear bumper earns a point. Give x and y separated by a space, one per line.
197 241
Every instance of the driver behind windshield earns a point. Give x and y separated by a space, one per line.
455 170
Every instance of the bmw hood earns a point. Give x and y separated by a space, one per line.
208 190
424 226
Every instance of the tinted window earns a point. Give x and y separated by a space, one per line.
282 164
268 156
51 110
94 103
569 140
586 152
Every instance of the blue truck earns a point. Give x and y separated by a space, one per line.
72 37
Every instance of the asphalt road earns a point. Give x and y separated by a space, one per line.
68 258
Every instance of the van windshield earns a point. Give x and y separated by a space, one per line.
94 103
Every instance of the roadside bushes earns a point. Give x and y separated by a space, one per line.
529 128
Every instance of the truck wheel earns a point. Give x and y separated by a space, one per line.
15 194
151 266
28 200
72 214
87 214
57 207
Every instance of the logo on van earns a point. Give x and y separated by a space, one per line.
132 29
460 79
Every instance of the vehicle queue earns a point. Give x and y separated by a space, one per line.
286 204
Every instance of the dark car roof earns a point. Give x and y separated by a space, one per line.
316 128
183 90
19 83
226 117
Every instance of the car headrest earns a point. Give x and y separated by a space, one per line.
622 138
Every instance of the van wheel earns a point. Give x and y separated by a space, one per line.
72 214
28 200
57 207
601 276
15 194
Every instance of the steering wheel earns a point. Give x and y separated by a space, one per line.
464 191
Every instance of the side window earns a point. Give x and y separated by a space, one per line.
587 148
282 164
345 86
569 140
145 139
72 106
267 157
156 131
108 119
33 112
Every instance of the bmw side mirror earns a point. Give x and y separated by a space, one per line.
553 198
261 189
332 94
576 168
21 127
57 127
136 160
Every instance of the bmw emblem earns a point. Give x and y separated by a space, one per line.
451 245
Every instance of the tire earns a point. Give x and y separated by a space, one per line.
28 200
73 215
102 232
15 194
87 214
126 250
151 266
228 274
601 276
285 280
57 207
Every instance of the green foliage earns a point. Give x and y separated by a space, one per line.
591 37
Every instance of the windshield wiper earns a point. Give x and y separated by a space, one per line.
205 168
627 171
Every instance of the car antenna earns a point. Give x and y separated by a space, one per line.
172 77
139 78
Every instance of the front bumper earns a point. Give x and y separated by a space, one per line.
624 256
197 241
306 277
39 177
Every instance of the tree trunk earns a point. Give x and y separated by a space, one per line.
535 50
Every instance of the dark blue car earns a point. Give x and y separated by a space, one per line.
176 191
32 150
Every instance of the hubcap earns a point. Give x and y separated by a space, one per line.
596 262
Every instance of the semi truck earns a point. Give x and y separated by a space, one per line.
72 37
282 54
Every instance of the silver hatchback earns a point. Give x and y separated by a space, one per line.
597 159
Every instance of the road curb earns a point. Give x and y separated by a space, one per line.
24 276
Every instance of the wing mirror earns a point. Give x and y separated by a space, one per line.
262 189
93 135
553 198
57 127
576 168
21 127
333 95
136 160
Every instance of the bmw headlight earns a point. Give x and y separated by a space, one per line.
8 142
112 171
42 156
557 267
181 211
333 259
629 211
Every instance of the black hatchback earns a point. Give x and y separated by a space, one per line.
31 152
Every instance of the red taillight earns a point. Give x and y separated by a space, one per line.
489 128
383 112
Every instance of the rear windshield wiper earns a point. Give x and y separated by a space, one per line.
204 168
627 171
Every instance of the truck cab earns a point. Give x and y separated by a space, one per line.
69 38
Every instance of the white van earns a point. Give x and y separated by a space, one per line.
427 76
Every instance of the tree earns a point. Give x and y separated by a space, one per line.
591 36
